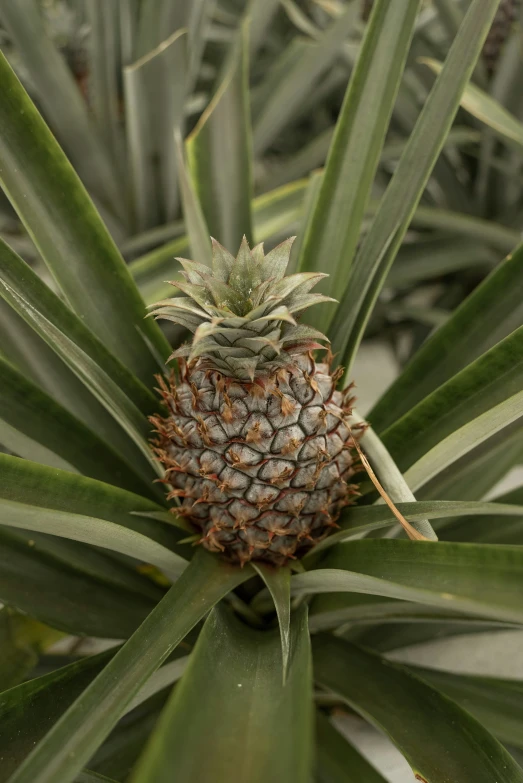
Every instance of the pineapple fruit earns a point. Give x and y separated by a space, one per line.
256 443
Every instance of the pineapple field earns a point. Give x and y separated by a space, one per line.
261 391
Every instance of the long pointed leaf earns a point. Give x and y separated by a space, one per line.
333 232
337 760
68 232
66 591
488 315
220 156
483 580
384 238
36 427
71 742
62 101
484 384
264 732
278 582
440 741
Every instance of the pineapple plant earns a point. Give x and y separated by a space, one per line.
257 441
204 572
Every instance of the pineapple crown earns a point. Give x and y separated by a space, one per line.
242 311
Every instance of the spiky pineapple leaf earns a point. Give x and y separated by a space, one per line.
219 153
22 640
47 697
397 207
24 481
337 760
485 108
31 355
93 531
36 427
497 703
440 741
480 469
104 77
154 111
335 222
355 521
302 64
464 440
69 233
73 739
488 315
278 582
485 383
69 586
63 104
499 530
195 222
265 730
477 579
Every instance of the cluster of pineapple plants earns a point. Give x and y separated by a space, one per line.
207 554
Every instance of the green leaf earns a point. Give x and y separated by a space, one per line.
198 233
158 19
104 76
307 63
219 153
485 108
362 519
278 582
65 589
337 760
464 440
93 777
391 635
27 351
499 236
62 221
397 207
44 698
264 731
334 229
93 531
486 383
62 101
36 427
478 579
392 480
488 315
155 89
36 303
498 530
47 697
261 13
22 639
79 732
23 481
476 473
92 372
440 741
496 703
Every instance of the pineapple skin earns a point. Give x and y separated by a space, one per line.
262 469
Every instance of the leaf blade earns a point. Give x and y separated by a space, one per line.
460 748
254 713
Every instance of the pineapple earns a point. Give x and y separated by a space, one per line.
256 443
